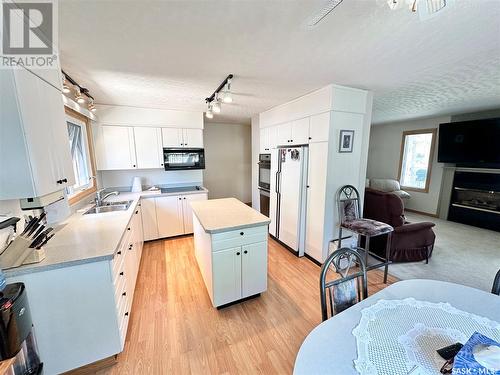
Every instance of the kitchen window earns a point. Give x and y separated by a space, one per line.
417 151
81 154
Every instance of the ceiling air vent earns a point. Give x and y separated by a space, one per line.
317 17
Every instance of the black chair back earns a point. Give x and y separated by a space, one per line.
348 203
346 290
496 284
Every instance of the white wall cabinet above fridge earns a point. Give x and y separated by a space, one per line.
139 147
35 157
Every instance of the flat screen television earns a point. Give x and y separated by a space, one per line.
474 143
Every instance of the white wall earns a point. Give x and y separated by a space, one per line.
255 160
228 161
149 177
384 155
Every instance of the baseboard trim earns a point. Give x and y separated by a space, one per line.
319 264
422 213
94 367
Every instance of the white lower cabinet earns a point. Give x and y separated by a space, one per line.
149 224
239 272
226 270
233 263
168 216
124 269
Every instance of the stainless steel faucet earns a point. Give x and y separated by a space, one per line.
99 199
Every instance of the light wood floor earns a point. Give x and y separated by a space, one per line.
175 330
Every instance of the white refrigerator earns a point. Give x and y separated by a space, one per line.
287 208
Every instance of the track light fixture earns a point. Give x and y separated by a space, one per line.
227 98
214 101
65 87
81 93
209 113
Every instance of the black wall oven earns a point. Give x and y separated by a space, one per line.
264 182
265 171
176 159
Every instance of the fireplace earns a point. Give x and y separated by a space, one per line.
475 199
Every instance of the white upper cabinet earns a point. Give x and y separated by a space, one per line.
187 138
300 132
193 138
319 127
148 147
284 134
115 147
264 141
35 157
172 137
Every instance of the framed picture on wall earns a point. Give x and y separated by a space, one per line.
346 140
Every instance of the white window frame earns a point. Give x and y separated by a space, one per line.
72 191
432 131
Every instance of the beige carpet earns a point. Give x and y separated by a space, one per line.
462 254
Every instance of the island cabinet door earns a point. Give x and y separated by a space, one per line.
253 269
169 216
226 268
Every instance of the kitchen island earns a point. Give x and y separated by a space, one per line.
230 241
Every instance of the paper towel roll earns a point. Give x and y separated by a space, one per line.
136 185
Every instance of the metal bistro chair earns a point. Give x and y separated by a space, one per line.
496 284
350 219
347 290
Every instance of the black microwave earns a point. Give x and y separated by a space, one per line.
176 159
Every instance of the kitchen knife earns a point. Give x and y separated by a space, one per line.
37 221
38 231
41 238
45 241
28 226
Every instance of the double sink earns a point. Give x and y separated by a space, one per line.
109 207
124 205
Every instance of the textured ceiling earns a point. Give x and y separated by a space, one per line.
173 54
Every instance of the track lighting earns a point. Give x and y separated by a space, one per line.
227 98
214 101
79 97
65 87
81 93
91 105
209 113
216 105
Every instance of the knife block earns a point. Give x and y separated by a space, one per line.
15 254
35 257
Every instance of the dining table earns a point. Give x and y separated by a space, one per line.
332 347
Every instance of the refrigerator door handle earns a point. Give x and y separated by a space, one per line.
278 188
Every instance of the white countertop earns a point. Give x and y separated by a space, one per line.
89 238
220 215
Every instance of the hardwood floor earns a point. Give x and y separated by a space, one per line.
175 330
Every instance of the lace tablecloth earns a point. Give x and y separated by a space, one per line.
394 336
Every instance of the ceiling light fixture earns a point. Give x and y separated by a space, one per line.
214 102
79 97
227 98
65 87
209 113
92 105
429 7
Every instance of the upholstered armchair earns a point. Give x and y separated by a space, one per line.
411 242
